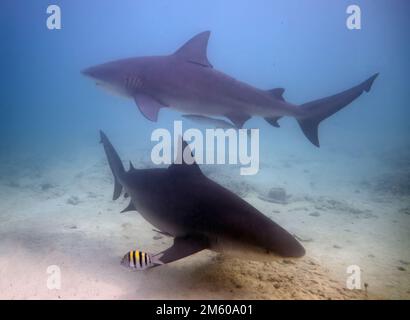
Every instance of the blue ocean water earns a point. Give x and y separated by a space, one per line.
303 46
50 111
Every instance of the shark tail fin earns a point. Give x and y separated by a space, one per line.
115 163
312 113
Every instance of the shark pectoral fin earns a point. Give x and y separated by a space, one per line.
273 121
183 247
238 119
148 106
194 51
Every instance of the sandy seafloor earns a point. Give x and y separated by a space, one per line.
60 213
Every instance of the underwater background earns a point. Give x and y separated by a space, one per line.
348 201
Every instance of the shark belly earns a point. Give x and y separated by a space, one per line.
242 250
218 242
213 106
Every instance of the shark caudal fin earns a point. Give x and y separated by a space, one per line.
115 163
316 111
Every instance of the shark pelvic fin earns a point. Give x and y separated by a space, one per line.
148 106
130 207
131 166
238 119
273 121
194 50
277 93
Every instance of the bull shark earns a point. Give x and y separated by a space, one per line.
187 82
180 201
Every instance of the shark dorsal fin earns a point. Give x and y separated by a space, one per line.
186 164
194 50
277 93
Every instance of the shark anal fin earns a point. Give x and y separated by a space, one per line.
238 119
277 93
194 50
183 247
130 207
148 106
273 121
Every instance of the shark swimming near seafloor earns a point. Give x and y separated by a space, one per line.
180 201
187 82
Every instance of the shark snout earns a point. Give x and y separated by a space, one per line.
107 76
96 74
89 72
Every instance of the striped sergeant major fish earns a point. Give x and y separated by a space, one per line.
138 260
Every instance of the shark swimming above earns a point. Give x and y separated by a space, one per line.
187 82
180 201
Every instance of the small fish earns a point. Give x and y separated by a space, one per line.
138 260
207 121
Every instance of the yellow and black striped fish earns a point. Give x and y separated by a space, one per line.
138 260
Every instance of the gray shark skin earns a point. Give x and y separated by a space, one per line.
187 82
180 201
